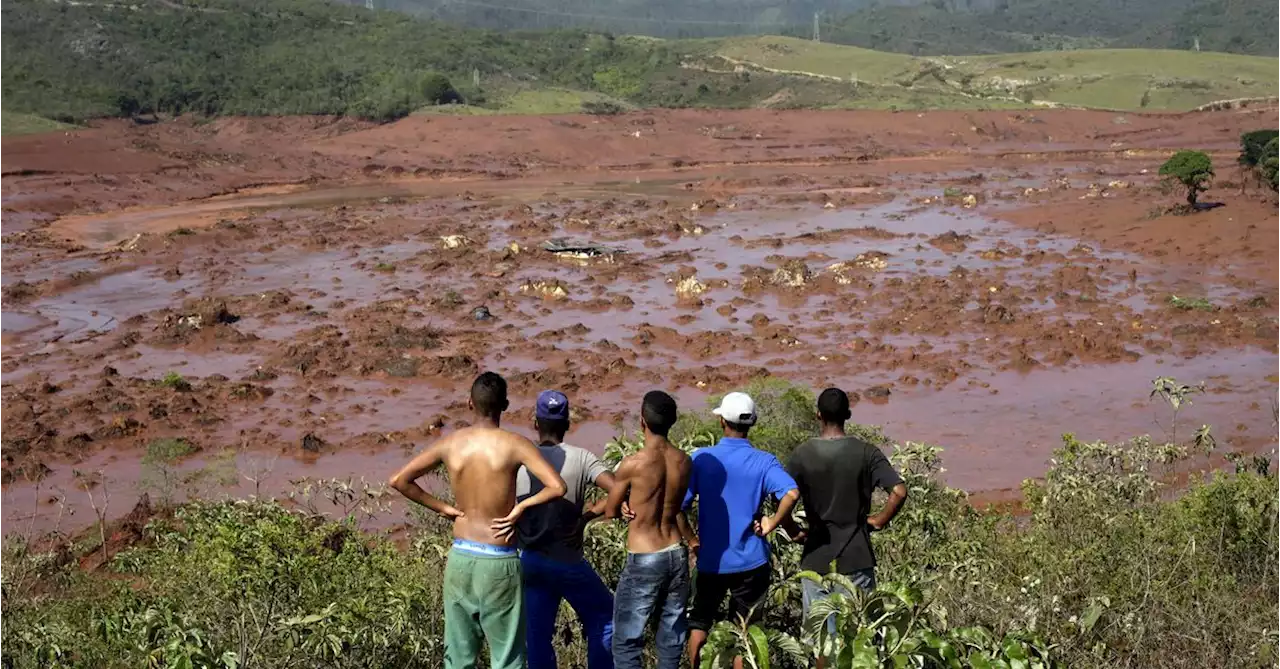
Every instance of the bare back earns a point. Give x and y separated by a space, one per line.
482 464
658 478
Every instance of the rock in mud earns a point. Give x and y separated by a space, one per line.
481 313
792 274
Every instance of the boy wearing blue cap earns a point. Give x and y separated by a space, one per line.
550 537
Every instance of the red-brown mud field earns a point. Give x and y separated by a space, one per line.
327 289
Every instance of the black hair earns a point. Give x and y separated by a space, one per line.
489 394
659 412
551 427
740 428
833 406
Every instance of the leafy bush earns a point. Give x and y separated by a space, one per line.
1192 169
601 108
1253 146
1270 166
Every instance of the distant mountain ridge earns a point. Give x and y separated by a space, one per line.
920 27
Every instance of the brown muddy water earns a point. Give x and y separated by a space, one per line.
350 315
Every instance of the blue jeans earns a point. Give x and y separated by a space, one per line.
811 592
546 582
652 582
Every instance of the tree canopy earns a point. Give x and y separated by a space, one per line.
1192 169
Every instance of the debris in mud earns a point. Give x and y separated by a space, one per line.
792 274
454 241
450 366
208 311
565 247
249 391
996 313
514 248
951 241
547 289
425 337
20 291
481 313
689 286
969 201
403 367
311 443
877 393
120 426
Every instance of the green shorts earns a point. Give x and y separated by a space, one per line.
483 601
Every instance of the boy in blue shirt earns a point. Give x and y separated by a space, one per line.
730 480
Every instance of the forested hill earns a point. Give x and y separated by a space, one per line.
924 27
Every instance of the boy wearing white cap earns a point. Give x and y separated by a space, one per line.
730 480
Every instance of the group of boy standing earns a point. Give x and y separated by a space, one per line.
519 515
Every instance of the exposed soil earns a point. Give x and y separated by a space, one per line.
311 297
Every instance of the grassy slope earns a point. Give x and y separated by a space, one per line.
1109 78
1117 78
13 123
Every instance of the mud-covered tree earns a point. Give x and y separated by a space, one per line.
1192 169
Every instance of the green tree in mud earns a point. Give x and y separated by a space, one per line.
1270 165
1192 169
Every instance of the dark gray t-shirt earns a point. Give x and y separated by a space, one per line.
554 529
836 478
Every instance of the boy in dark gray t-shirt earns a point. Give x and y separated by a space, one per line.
550 540
836 474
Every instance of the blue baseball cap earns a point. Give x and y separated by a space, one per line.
552 405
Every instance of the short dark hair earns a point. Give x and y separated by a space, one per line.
548 427
489 394
659 412
833 405
740 428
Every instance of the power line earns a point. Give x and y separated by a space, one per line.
605 17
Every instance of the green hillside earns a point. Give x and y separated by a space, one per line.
71 62
1106 78
25 124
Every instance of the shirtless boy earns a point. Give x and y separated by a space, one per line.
653 483
483 593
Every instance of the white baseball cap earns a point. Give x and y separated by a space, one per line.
737 408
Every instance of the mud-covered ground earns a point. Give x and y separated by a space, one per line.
326 290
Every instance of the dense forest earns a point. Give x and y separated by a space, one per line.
285 57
